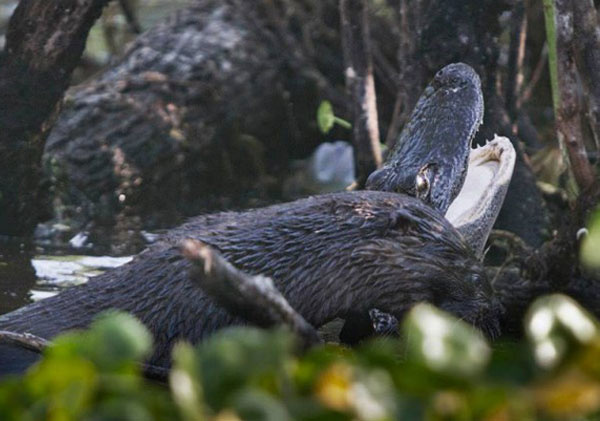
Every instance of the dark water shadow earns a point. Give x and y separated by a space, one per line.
17 278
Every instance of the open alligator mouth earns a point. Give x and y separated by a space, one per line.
475 209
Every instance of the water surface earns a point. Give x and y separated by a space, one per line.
25 278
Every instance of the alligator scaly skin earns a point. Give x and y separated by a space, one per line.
438 135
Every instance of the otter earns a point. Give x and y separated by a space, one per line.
329 255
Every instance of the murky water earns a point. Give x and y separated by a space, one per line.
25 278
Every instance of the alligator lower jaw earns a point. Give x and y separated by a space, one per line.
476 207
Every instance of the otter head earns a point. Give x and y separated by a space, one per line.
470 297
459 285
424 258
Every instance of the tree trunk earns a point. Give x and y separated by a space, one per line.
44 42
565 81
587 44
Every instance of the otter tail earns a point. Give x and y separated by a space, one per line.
15 359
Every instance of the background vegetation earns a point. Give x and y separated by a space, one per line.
439 368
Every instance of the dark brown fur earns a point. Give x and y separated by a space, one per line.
328 255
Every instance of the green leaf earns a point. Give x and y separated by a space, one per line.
240 357
64 396
114 342
443 343
325 117
255 405
556 325
185 383
590 248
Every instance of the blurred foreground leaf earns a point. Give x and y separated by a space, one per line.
92 374
240 358
439 370
570 395
590 248
558 327
443 343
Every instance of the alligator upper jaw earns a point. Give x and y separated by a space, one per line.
475 209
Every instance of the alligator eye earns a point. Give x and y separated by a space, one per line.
422 185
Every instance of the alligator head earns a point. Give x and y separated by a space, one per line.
472 212
429 160
433 159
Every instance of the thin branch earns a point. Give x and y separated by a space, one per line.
563 73
518 35
254 298
360 86
24 340
385 70
154 372
514 241
130 17
408 28
535 77
587 45
38 345
395 122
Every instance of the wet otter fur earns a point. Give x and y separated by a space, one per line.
328 255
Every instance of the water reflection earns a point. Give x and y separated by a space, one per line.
25 278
